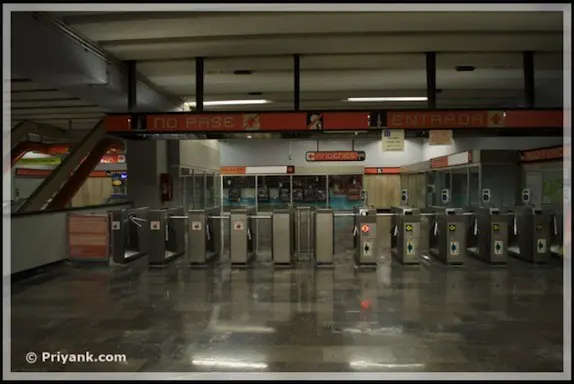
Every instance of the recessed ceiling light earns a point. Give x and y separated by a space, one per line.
378 99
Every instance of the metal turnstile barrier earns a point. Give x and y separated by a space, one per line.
365 236
557 246
204 236
448 237
242 239
487 234
129 234
323 238
405 235
283 229
530 234
304 233
167 231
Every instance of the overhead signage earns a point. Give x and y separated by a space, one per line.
393 140
542 154
333 120
440 137
382 170
260 170
336 156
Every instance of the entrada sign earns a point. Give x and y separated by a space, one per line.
336 156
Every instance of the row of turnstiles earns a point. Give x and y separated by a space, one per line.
448 234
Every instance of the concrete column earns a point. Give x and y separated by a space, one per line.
147 160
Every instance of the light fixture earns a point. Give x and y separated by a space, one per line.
228 364
230 102
369 364
376 99
249 136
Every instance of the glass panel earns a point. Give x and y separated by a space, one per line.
189 193
273 192
553 188
199 189
209 190
459 191
503 182
238 191
310 191
345 191
432 188
474 192
217 189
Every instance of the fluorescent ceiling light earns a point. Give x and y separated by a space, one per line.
228 364
376 99
368 364
230 102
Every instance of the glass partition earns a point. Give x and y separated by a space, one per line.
345 191
310 191
238 191
188 198
210 189
432 189
459 182
198 189
503 182
273 192
217 189
474 186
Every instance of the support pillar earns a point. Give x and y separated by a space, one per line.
431 79
199 83
296 82
528 66
132 85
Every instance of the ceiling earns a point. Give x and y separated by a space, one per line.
377 54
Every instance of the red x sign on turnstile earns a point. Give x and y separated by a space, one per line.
365 228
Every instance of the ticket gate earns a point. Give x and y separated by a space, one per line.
365 236
447 240
283 237
129 234
531 234
557 245
204 236
324 241
405 234
167 228
487 234
242 240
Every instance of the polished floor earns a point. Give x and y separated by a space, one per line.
427 318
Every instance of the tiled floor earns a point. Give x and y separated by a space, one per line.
428 318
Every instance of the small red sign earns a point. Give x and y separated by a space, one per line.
365 228
336 156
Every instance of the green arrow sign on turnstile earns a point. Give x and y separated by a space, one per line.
410 247
541 245
498 247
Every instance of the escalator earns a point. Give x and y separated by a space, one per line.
63 197
65 170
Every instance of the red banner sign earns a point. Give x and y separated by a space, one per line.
542 154
382 170
336 156
33 172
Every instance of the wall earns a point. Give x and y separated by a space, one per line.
31 233
199 154
292 152
147 160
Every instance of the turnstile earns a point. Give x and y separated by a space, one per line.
283 237
487 234
448 235
324 241
557 246
167 228
305 233
242 241
204 236
129 234
530 234
405 234
365 236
